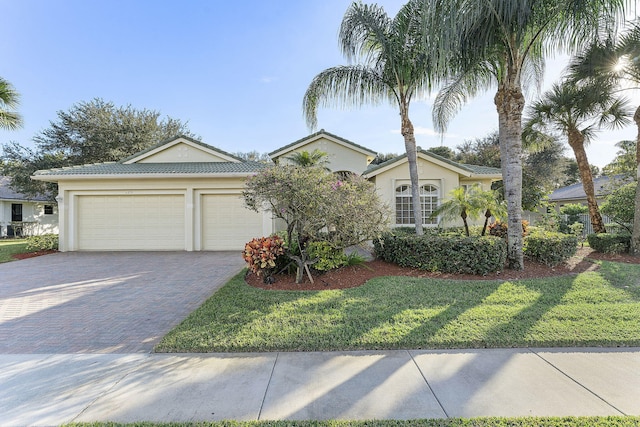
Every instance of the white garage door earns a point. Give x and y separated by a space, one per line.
136 222
226 223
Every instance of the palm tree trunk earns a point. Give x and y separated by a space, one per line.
412 158
510 104
635 235
576 142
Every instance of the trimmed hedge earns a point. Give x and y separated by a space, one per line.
44 242
447 254
550 248
610 243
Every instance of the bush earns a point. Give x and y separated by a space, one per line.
261 254
550 248
447 254
45 242
328 257
610 243
499 228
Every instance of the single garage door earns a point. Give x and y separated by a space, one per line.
226 223
131 222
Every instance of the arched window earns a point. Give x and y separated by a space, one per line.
404 204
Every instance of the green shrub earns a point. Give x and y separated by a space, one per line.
447 254
327 256
550 248
610 243
499 229
45 242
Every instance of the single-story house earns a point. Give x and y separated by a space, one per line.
25 216
183 194
574 194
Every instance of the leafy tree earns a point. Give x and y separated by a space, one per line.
625 161
392 67
443 151
305 158
90 132
578 111
619 205
483 151
381 158
254 156
9 99
317 207
500 43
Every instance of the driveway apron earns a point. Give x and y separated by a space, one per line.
104 302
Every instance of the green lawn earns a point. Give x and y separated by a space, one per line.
450 422
11 247
592 309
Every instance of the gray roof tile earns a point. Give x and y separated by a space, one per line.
155 168
8 193
475 169
602 186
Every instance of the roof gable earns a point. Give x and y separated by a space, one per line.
296 145
181 149
459 168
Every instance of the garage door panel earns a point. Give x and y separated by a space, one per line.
226 223
131 222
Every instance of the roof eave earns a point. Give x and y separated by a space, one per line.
57 178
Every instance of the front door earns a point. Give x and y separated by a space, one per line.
16 212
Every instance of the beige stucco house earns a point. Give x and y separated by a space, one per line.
185 195
25 216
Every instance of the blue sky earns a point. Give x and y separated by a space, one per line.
235 71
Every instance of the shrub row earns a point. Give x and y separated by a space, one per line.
550 248
45 242
447 254
610 243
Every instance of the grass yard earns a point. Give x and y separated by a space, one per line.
449 422
12 247
599 308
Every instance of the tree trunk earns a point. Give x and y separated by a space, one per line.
576 142
510 104
412 158
635 235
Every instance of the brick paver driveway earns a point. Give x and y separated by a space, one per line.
107 302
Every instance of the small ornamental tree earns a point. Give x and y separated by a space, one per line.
619 205
316 206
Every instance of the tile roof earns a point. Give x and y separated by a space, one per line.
7 193
602 186
113 168
313 135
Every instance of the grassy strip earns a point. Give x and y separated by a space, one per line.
450 422
12 247
591 309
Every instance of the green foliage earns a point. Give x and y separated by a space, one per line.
499 228
447 254
610 243
443 151
620 205
45 242
550 248
326 256
625 161
304 158
573 212
9 99
90 132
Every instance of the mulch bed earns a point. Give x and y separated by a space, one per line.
353 276
33 254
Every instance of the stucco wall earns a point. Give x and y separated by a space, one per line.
341 158
181 153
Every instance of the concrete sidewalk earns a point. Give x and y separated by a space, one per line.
56 389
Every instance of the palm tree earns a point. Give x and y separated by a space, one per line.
9 119
468 202
305 158
500 43
618 62
578 111
392 67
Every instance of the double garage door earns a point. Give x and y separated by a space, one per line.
162 222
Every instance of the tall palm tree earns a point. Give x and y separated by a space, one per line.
618 62
578 111
391 66
9 119
491 43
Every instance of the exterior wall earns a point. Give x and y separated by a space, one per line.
341 158
36 222
181 153
191 189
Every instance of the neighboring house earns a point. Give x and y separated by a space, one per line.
185 195
603 186
178 195
24 216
